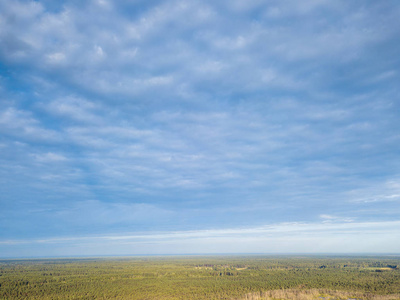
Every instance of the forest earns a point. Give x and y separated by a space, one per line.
203 277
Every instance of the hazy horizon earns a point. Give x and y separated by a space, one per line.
199 127
204 255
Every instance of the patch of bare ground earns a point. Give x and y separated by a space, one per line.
316 294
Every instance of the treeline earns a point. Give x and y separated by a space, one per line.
194 277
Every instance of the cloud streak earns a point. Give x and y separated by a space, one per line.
334 237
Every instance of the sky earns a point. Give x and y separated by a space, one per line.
183 127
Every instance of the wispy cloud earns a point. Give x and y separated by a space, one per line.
21 123
378 192
275 238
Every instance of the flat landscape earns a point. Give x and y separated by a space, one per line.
203 277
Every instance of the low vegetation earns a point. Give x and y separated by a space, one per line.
246 277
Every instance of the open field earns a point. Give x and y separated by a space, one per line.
202 277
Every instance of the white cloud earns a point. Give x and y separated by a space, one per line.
56 58
387 191
103 52
50 157
22 123
279 238
75 108
331 218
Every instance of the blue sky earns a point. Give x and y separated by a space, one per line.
169 127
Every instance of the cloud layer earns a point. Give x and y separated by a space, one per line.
195 115
284 238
